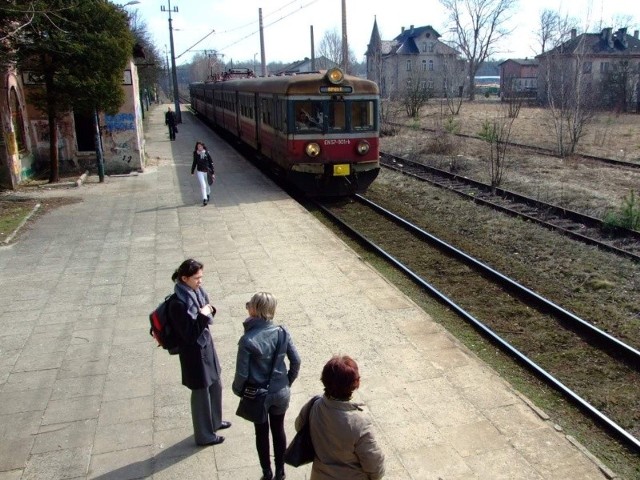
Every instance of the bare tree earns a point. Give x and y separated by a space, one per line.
416 93
554 29
549 21
454 83
478 26
331 48
496 132
569 94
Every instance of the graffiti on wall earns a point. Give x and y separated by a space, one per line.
121 122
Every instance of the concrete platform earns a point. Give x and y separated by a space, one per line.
84 392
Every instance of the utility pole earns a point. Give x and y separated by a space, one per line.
262 54
345 44
313 50
176 99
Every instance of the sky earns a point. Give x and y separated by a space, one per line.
231 27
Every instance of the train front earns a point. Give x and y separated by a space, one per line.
333 139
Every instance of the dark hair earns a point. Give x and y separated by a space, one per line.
195 148
186 269
340 377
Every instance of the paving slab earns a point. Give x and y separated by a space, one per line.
85 393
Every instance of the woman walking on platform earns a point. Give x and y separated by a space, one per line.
203 166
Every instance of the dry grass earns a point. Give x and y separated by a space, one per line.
588 186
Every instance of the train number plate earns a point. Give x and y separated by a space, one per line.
341 170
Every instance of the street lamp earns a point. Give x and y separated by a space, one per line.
176 100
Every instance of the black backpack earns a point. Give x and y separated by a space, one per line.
161 328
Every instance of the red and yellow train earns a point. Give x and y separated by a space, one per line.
319 130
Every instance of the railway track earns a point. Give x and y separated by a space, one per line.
581 227
589 366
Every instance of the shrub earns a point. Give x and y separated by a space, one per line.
627 216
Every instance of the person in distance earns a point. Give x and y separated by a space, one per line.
190 316
170 121
256 351
342 435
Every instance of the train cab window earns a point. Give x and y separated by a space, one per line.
337 116
363 115
309 115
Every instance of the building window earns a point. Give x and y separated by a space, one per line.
586 67
408 65
424 65
430 85
424 47
604 67
431 65
432 47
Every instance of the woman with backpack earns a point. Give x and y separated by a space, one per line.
190 314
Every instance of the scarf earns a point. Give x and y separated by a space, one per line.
203 154
193 299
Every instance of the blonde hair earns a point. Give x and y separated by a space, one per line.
264 304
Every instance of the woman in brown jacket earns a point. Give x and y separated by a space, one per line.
343 437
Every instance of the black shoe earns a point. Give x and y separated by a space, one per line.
267 475
204 203
224 425
280 475
216 441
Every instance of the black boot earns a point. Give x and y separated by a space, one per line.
280 475
267 475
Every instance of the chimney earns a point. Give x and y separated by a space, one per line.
621 35
606 36
573 33
635 33
402 31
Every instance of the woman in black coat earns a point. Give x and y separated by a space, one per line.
203 167
190 315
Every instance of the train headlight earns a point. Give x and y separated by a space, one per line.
312 149
335 76
363 147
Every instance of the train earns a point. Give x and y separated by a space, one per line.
318 130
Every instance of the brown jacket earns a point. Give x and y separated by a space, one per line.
344 442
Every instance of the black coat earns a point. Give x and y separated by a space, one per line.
170 119
202 164
198 358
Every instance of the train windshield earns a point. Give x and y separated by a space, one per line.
334 116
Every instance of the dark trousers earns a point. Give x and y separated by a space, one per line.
279 442
206 412
172 132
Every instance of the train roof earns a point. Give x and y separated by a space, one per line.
301 84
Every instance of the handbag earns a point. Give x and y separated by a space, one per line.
251 406
210 178
300 451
